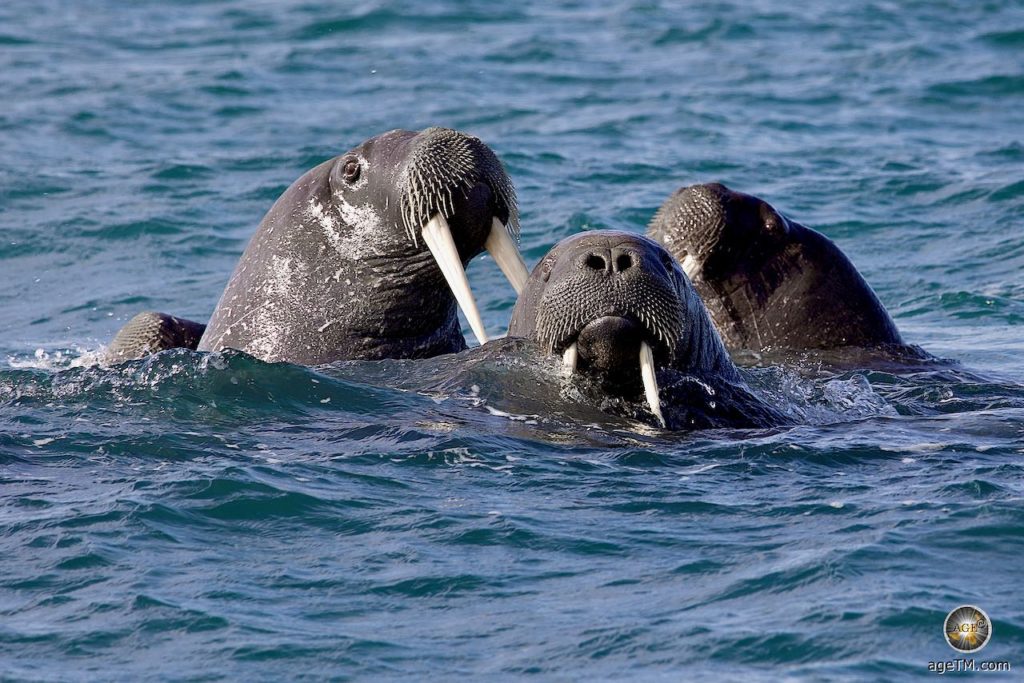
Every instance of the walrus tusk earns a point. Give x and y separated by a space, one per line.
503 250
569 358
650 381
690 266
438 237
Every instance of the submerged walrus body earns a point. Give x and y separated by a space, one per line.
363 257
618 310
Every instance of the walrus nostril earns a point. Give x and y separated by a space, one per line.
596 262
623 262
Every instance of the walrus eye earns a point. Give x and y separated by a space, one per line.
774 224
350 171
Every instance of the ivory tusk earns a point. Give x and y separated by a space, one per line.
438 237
505 253
650 381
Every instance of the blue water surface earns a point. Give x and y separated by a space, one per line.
213 517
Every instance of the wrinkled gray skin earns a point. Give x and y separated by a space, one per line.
338 268
769 283
608 291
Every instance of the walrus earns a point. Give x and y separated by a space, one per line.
617 308
363 257
770 283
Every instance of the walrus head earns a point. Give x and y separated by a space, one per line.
710 228
440 188
770 283
615 305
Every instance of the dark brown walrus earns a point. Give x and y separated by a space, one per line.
769 283
618 310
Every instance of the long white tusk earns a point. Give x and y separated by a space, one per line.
690 266
650 381
569 358
503 250
438 237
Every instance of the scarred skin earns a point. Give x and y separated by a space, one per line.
608 291
337 268
769 283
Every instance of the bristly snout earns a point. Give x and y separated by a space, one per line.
704 225
690 223
442 169
610 303
612 275
454 193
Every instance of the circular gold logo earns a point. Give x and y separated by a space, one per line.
967 628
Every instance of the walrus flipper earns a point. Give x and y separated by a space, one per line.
150 332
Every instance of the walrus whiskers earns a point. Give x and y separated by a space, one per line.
428 203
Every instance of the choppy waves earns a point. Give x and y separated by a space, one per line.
267 515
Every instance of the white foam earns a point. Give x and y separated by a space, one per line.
78 357
528 419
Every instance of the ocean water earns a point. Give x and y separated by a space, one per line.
213 517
